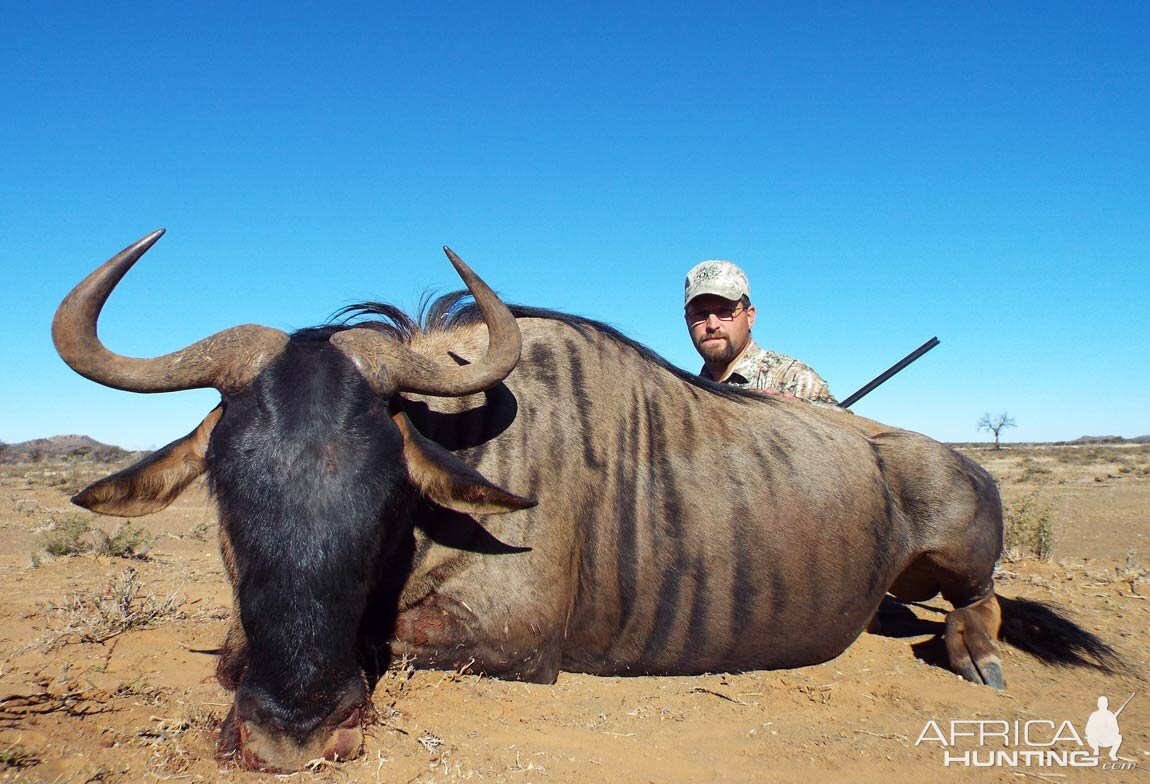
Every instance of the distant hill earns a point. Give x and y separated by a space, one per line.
61 448
1110 440
1080 441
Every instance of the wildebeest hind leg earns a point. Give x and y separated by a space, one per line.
972 626
970 634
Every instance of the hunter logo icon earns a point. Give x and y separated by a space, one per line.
1102 728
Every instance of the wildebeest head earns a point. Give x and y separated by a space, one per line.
314 477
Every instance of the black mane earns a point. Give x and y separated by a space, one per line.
457 309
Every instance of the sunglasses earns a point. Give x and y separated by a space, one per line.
725 313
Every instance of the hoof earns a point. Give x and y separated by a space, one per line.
986 673
969 672
991 672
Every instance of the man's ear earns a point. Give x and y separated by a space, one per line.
750 316
448 481
154 482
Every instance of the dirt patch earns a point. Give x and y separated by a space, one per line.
106 664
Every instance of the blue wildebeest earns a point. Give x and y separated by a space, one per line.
658 523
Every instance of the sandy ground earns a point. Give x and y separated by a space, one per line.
82 700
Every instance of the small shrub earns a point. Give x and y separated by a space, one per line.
74 535
1028 529
76 482
1032 470
129 541
68 536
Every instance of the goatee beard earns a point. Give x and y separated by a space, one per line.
719 350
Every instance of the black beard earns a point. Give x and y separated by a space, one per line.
719 350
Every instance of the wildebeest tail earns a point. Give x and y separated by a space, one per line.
1042 630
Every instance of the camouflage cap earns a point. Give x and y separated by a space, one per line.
718 277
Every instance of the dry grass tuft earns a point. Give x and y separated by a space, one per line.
138 689
1033 470
98 616
199 532
176 741
1133 575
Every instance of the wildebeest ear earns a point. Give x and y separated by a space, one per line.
448 481
154 482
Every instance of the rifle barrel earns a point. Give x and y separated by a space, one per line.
896 367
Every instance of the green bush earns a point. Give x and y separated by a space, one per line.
129 541
74 535
68 536
1028 530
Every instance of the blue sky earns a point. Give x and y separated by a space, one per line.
884 173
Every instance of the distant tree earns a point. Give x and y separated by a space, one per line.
996 424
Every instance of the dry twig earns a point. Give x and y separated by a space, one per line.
720 695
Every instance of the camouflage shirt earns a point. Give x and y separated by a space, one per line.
758 368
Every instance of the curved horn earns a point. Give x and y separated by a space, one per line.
227 360
391 367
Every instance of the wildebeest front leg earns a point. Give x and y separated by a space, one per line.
233 655
234 649
442 633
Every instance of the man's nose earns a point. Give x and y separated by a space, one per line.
713 322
